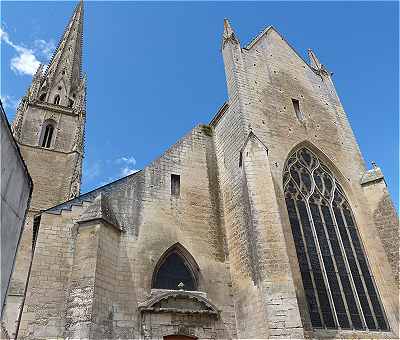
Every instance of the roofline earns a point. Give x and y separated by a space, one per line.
250 45
81 196
221 111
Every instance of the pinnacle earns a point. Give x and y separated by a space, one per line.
313 59
229 34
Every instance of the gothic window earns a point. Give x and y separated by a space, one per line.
47 134
57 99
175 267
338 284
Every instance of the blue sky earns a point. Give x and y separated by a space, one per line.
155 69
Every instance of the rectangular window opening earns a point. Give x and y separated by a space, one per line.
296 106
175 185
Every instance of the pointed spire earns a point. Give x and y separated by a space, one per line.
65 65
229 34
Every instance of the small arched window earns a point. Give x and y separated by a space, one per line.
57 99
47 134
338 284
176 267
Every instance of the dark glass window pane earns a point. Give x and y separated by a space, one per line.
172 272
365 271
331 258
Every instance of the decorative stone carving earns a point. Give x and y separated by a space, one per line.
76 179
19 117
179 301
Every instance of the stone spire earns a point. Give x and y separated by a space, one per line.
64 70
229 34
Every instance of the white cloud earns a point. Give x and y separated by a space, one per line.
26 61
128 171
128 165
9 102
45 48
99 171
93 170
127 160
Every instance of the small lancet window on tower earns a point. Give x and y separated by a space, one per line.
296 106
57 99
175 185
48 135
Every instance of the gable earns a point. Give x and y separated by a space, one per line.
272 42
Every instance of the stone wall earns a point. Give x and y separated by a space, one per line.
262 80
385 216
121 265
16 189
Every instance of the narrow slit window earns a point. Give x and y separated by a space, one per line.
175 185
296 106
35 231
240 159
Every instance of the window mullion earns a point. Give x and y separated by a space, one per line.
309 265
346 262
324 275
335 266
359 269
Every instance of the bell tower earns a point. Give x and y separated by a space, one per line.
49 123
49 129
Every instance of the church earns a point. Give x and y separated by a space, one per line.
264 223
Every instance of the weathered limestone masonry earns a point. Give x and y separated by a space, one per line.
262 79
91 279
49 129
383 214
202 243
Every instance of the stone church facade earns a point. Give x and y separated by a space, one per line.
265 223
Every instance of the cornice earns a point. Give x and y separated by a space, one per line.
50 150
53 107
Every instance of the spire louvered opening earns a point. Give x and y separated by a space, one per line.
57 99
338 284
47 134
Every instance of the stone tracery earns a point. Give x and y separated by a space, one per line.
338 285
